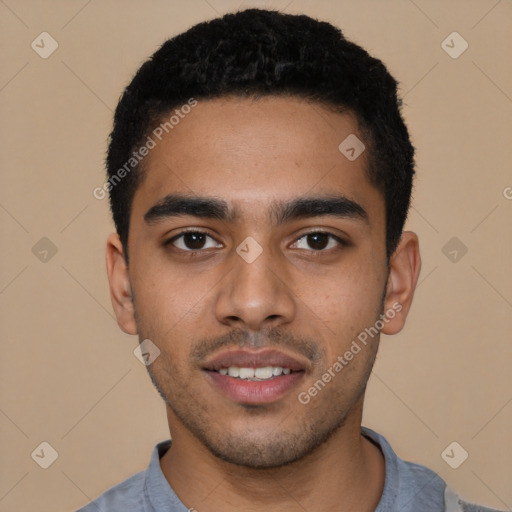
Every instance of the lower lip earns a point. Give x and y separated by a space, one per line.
254 391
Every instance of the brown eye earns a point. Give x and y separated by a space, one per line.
318 241
193 241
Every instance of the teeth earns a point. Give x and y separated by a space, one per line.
246 373
263 373
234 371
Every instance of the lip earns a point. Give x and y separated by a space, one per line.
254 392
249 359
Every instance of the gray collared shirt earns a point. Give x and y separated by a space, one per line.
408 487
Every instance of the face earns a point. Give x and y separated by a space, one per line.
257 257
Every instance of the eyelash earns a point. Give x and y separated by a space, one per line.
196 252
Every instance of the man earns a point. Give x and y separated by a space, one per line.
260 176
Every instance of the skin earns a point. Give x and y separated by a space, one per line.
309 302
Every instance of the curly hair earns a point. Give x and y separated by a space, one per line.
253 53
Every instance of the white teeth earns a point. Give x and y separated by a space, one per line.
246 373
234 371
263 373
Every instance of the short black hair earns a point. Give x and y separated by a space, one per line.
254 53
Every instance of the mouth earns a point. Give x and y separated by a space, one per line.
254 377
255 374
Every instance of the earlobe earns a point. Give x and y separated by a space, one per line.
404 269
119 283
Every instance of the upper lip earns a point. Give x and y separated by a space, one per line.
250 359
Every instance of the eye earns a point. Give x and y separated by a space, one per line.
318 241
193 241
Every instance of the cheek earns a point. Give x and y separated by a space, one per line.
347 297
169 299
346 304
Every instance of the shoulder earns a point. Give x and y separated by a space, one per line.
471 507
411 487
126 496
139 491
408 487
454 503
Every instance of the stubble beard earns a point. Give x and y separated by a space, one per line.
275 447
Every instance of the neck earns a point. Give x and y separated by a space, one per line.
345 473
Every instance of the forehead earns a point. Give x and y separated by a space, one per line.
256 152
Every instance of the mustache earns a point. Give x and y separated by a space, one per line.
272 338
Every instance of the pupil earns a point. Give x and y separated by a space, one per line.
318 241
194 240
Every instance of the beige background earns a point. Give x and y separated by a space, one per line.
69 376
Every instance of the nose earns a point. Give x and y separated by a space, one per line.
255 295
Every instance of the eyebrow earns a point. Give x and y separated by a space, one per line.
174 205
304 207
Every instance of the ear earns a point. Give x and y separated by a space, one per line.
405 265
120 288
